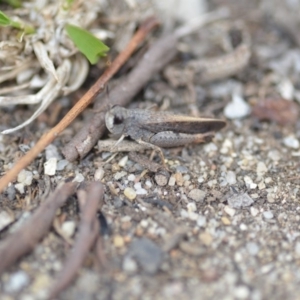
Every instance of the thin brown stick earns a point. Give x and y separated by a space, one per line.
25 239
46 139
87 235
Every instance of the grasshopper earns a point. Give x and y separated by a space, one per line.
160 129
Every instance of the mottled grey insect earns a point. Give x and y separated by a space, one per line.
160 129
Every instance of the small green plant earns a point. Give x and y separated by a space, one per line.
87 43
7 21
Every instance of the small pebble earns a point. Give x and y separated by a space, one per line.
25 177
261 169
61 164
68 228
230 211
270 197
122 163
237 108
129 265
274 155
197 195
191 207
261 185
252 248
240 201
206 238
118 241
231 178
254 211
268 215
131 177
141 191
119 175
20 188
178 178
148 183
51 151
50 166
16 282
148 255
225 221
172 181
99 174
78 177
242 292
130 193
161 179
182 169
201 221
291 142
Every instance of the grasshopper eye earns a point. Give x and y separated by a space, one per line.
118 120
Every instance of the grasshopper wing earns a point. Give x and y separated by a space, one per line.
182 124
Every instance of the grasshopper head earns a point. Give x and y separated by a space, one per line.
115 120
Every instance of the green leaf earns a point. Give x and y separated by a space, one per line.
6 21
87 43
13 3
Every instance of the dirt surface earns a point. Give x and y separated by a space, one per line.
226 223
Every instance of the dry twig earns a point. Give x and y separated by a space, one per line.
25 239
87 235
48 138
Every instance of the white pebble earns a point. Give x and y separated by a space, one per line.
252 248
68 228
172 181
20 187
261 169
237 108
268 214
99 174
25 177
249 183
119 175
50 166
78 178
201 221
241 292
291 142
131 177
137 185
197 195
148 183
229 210
141 191
191 207
129 265
123 161
231 178
52 152
254 211
274 155
16 282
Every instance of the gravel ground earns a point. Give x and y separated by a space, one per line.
226 223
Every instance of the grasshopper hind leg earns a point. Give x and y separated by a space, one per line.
170 139
156 149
